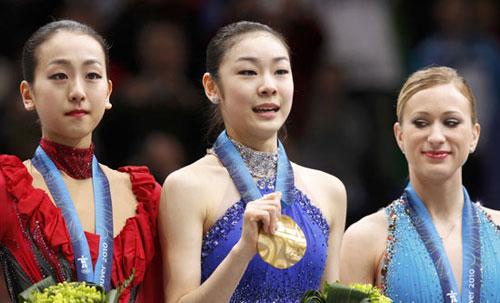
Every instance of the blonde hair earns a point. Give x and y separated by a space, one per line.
433 76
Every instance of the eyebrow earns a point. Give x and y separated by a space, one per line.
255 59
449 112
67 62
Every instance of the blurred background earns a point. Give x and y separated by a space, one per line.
350 57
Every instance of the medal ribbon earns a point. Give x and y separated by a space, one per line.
233 162
471 248
103 215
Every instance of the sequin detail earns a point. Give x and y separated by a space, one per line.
488 218
219 231
391 222
313 212
490 267
261 165
261 282
408 274
75 162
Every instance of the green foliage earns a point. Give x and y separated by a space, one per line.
66 292
338 293
48 291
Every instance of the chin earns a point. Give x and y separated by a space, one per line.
78 133
437 174
266 132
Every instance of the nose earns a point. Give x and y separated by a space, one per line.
437 136
77 92
268 86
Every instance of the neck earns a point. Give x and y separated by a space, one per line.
263 144
444 200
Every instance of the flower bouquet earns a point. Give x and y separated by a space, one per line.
338 293
48 291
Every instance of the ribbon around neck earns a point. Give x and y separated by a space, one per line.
101 274
471 248
233 162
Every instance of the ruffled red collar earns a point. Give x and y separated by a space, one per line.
75 162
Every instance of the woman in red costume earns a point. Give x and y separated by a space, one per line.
64 214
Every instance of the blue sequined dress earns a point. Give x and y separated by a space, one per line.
262 282
408 273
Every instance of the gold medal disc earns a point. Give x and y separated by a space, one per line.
285 247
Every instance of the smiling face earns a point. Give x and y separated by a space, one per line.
70 88
436 133
255 87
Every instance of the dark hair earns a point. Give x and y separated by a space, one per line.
44 33
225 38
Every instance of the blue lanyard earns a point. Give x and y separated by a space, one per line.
232 161
471 249
103 214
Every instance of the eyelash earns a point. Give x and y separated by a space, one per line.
420 123
62 76
58 76
279 72
282 72
94 76
247 73
452 122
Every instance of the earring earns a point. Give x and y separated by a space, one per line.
215 100
108 101
471 149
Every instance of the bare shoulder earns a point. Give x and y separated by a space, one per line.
370 229
362 249
120 185
115 176
367 238
197 183
325 190
494 214
319 180
196 176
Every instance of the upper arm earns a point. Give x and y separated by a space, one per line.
336 205
181 230
362 247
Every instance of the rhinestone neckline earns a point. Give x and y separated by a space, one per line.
261 165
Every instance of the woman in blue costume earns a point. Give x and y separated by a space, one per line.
215 208
433 244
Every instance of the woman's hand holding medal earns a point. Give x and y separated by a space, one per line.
278 239
263 213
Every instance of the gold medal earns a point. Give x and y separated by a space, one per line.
285 247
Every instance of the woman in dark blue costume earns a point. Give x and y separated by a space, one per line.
216 208
433 244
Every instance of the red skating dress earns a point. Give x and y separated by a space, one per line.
34 241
